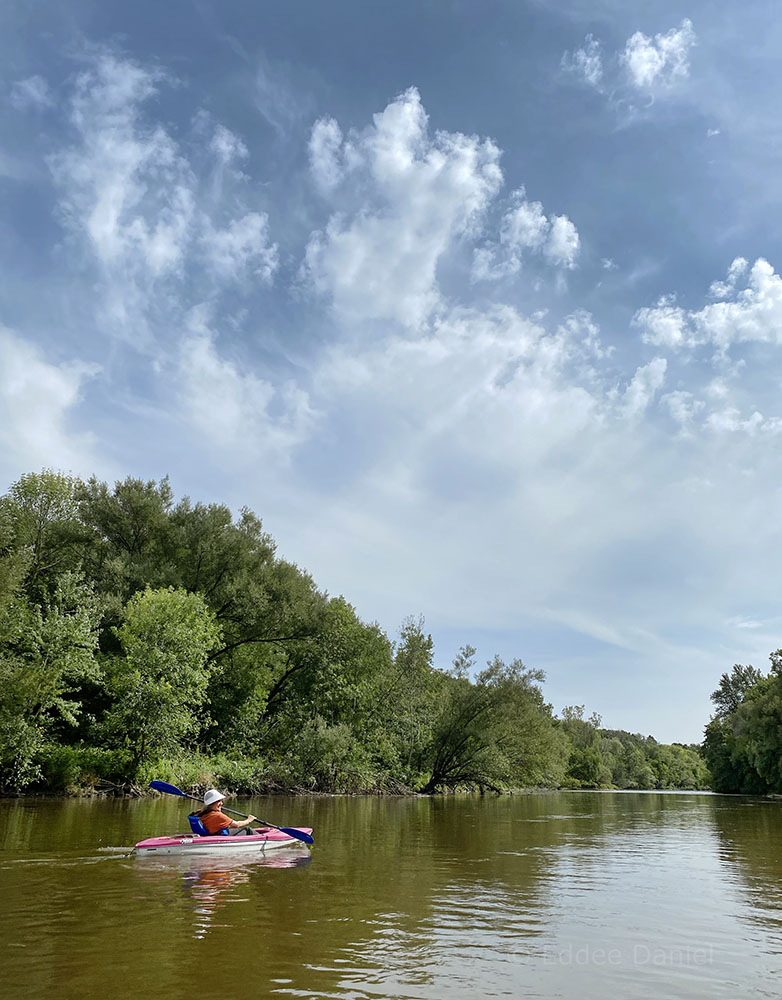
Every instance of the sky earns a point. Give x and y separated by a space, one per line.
475 304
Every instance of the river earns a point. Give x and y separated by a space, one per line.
579 895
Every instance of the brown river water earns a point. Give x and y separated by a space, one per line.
580 895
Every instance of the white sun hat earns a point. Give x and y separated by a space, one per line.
212 796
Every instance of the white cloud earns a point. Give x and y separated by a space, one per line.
125 184
236 413
149 220
645 384
649 65
659 61
723 289
663 325
751 314
325 150
241 248
683 408
37 399
739 621
586 62
525 228
525 225
563 242
730 420
31 93
404 196
227 146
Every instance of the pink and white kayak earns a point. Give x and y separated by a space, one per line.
259 841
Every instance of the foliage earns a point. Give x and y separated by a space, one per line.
159 685
65 768
743 742
610 758
733 687
46 649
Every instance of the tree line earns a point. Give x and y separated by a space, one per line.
143 637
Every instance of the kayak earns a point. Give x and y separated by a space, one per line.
259 841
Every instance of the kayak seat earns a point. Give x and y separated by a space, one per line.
197 826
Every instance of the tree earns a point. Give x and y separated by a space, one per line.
733 688
496 732
45 651
40 517
160 683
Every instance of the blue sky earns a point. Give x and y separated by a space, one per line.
475 304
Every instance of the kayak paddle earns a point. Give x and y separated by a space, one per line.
163 786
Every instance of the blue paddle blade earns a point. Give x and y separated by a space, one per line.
298 834
163 786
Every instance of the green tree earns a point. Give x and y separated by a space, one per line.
160 683
40 517
496 732
46 650
733 688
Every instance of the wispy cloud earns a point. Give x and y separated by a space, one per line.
31 93
647 65
586 62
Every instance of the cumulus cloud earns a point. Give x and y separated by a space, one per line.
563 242
377 257
645 384
753 313
586 62
37 400
659 61
723 289
526 229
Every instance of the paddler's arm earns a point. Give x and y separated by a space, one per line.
245 822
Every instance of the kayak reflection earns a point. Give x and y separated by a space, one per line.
206 883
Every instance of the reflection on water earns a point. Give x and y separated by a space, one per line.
576 895
205 883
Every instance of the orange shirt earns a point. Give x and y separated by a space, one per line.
215 821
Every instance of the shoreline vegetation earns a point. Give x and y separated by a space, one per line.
146 638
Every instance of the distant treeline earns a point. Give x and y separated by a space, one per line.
146 638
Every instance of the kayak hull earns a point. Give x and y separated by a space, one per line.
258 842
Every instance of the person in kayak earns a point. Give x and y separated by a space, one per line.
215 820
